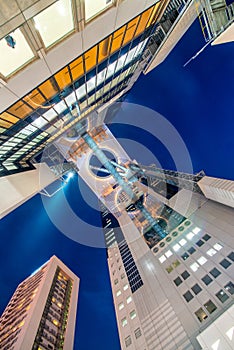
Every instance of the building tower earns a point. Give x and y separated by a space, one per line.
170 250
41 313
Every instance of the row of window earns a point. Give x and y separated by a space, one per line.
124 320
128 340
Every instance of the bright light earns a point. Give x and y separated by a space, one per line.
230 333
162 259
190 235
70 175
176 247
168 253
211 252
194 267
182 241
202 260
196 230
218 246
215 346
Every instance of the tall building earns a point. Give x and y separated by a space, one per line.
41 313
63 64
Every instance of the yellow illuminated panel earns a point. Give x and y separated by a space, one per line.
143 21
4 124
34 99
77 69
152 17
8 117
48 89
63 78
20 109
104 49
90 58
130 30
117 39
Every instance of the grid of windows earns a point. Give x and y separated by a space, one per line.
132 272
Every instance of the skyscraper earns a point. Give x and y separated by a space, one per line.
41 313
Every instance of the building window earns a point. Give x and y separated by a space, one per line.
185 256
190 235
125 287
211 252
196 289
225 263
178 281
124 322
231 256
175 263
194 267
202 260
162 259
191 250
128 341
176 247
210 306
188 296
199 243
207 279
169 269
129 299
196 230
182 242
118 293
222 296
116 281
185 275
137 333
215 272
201 315
168 253
121 306
218 246
229 287
132 314
206 237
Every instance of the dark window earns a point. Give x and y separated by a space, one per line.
169 269
229 287
128 341
222 296
185 275
188 296
196 289
231 256
206 279
201 315
210 306
191 250
199 243
206 237
215 272
178 281
137 333
225 263
184 256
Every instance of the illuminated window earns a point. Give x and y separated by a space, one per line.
92 8
118 293
176 247
124 321
194 267
196 230
168 253
121 306
125 287
132 314
13 59
190 235
202 260
201 315
129 299
56 322
182 242
162 259
218 246
222 296
55 22
211 252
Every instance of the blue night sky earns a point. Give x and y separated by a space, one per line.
198 101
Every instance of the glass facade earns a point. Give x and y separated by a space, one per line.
71 93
